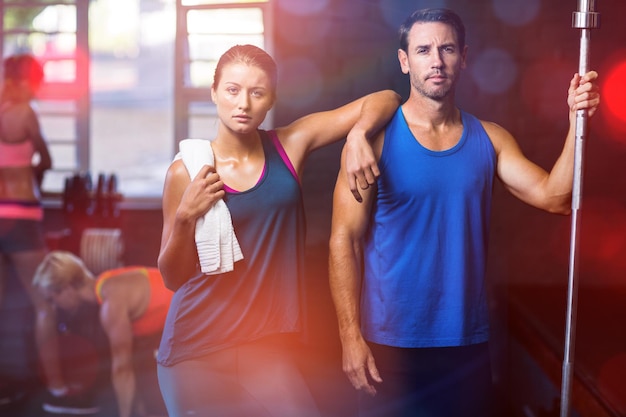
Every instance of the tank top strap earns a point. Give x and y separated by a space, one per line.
271 138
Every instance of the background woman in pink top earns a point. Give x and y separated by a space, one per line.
24 157
21 238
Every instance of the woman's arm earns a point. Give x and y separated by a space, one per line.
116 322
358 120
184 201
47 339
34 133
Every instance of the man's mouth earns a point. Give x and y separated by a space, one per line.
436 77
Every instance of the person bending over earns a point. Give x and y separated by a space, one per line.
133 303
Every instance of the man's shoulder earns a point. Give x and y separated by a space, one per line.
492 128
488 126
498 135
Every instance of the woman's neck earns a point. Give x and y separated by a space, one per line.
230 144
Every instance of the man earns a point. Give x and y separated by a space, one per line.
133 303
414 329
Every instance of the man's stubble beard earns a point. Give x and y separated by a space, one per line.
436 94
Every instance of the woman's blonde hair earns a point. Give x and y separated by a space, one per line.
60 269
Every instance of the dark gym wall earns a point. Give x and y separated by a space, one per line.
330 52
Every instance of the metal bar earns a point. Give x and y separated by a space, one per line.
584 19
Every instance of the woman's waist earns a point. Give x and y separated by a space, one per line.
16 172
18 184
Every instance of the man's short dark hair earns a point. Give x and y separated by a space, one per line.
440 15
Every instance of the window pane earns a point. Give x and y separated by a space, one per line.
15 44
134 140
54 181
201 74
9 2
63 128
208 2
62 71
56 106
225 21
132 53
58 18
211 47
212 32
63 155
205 51
57 45
19 18
202 120
53 18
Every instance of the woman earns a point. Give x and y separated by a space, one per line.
21 214
132 305
226 344
22 245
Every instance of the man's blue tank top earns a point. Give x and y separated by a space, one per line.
426 249
263 295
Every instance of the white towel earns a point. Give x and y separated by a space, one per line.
218 248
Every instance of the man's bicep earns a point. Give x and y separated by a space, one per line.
519 175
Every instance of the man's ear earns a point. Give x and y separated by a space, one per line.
463 57
404 61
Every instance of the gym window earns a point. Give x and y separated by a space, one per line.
126 80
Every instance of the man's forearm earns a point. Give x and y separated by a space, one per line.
560 177
344 277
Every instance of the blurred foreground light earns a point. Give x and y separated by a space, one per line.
614 91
